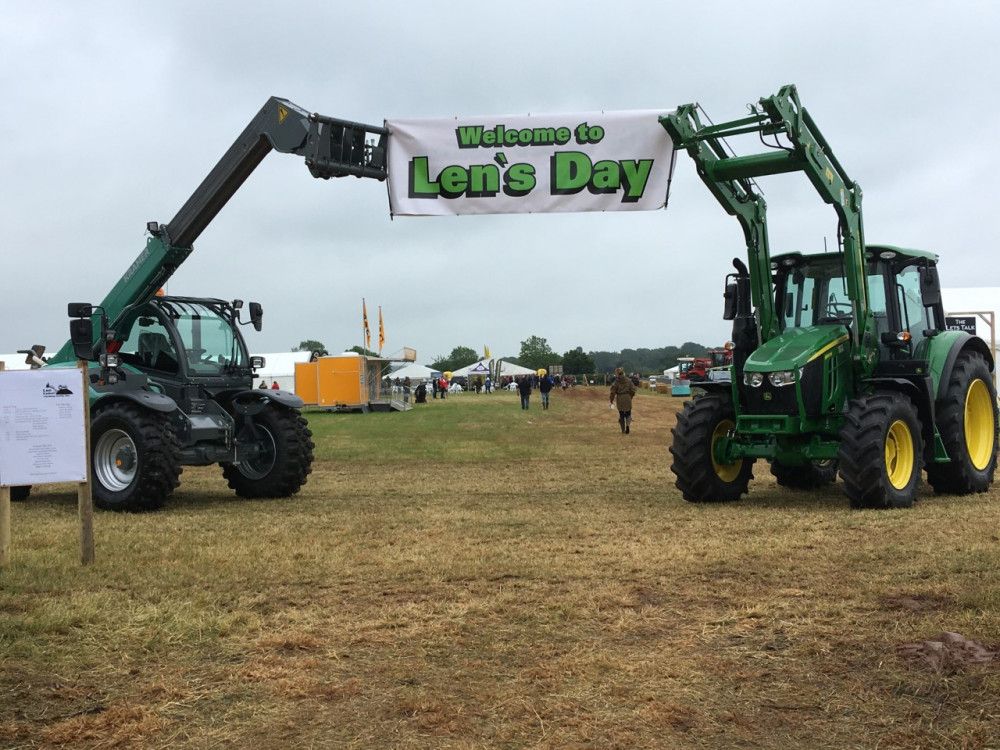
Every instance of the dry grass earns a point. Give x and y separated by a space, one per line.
475 576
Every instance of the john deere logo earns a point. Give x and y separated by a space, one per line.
767 395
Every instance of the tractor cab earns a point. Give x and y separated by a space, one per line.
904 296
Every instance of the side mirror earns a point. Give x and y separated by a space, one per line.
729 301
79 309
256 315
930 285
81 333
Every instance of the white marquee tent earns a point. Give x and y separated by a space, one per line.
416 373
482 367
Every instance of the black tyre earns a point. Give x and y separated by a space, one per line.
135 458
283 459
700 478
880 451
809 476
967 422
20 493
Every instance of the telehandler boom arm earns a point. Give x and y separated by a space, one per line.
330 147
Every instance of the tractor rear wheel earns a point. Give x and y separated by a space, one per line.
135 456
283 460
880 451
967 422
700 477
809 476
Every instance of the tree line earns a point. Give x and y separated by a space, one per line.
536 353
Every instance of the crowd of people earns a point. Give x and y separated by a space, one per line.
622 391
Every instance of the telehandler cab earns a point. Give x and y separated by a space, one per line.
841 359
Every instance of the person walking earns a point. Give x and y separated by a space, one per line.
623 390
544 386
524 388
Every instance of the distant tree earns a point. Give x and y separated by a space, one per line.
460 357
361 350
605 361
536 353
575 362
311 345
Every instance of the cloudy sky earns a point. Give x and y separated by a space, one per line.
115 111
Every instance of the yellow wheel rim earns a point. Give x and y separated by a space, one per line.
899 455
979 425
725 472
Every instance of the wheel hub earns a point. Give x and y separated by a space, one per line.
979 426
899 455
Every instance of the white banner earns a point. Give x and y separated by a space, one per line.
587 161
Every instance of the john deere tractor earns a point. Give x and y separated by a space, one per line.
842 360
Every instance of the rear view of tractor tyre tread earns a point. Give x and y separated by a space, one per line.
880 451
810 476
135 457
285 462
699 478
967 423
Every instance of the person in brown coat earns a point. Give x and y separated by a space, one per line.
623 389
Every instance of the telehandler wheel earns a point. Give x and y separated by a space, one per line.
809 476
700 478
880 451
20 493
967 422
135 456
284 459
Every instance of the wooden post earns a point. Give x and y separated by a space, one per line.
84 498
4 519
4 526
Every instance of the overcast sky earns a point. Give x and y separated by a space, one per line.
115 111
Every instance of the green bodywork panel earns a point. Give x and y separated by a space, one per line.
798 346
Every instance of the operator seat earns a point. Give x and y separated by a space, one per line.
155 352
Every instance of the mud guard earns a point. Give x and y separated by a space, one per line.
252 400
146 399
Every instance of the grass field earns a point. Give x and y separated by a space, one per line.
471 575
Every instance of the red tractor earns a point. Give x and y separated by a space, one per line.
695 369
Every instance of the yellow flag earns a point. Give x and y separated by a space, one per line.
368 333
486 352
381 330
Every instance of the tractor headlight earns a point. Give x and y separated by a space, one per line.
781 378
753 379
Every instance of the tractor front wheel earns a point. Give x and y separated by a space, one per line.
701 478
880 451
967 422
136 459
283 458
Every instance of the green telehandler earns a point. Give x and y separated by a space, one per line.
170 378
842 360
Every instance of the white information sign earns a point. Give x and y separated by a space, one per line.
42 432
581 161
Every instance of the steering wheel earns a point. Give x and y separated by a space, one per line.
837 309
